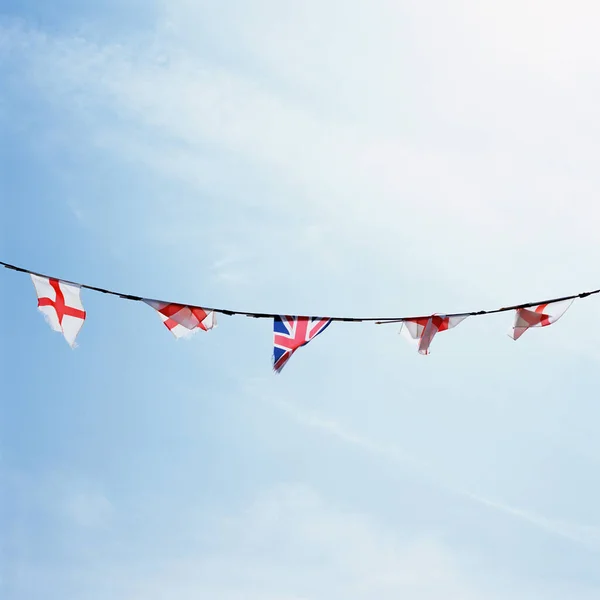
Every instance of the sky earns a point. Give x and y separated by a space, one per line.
330 158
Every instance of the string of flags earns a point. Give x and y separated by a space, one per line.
59 300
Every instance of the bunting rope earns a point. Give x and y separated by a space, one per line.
261 315
60 302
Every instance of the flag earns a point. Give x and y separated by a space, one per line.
423 329
61 305
538 316
289 333
182 320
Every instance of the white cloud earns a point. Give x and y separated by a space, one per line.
89 509
587 536
73 498
418 139
290 544
335 429
489 179
581 534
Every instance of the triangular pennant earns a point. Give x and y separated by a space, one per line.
182 320
60 303
423 329
290 333
541 315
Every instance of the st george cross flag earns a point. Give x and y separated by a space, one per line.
61 305
183 320
538 316
423 329
289 333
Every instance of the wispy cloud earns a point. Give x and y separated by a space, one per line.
580 534
291 543
587 536
436 151
89 509
75 498
334 428
349 169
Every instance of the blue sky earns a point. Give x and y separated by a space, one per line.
322 158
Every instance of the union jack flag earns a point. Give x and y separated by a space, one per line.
289 333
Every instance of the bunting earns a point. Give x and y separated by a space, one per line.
60 302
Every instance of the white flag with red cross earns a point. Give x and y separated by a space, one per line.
61 305
182 320
541 315
423 329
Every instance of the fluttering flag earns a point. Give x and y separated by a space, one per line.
182 320
61 305
423 329
289 333
538 316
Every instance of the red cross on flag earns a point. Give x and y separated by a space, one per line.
61 305
182 320
541 315
423 329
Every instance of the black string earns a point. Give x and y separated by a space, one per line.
258 315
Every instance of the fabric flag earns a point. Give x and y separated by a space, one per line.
182 320
289 333
538 316
423 329
61 305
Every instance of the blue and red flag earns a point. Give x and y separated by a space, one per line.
289 333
